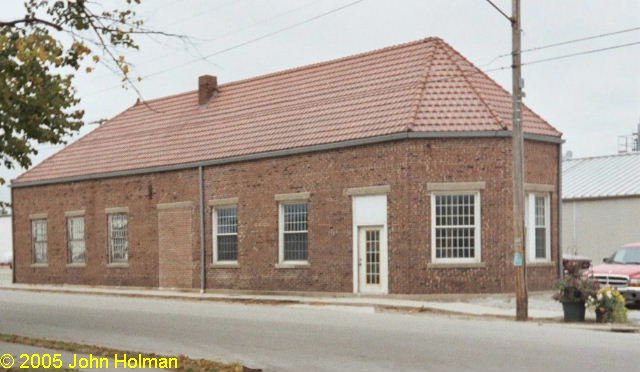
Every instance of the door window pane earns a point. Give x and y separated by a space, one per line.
372 256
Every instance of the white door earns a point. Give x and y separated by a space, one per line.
370 271
370 253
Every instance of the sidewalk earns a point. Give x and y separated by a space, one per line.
499 306
488 305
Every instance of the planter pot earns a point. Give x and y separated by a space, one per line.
601 316
573 311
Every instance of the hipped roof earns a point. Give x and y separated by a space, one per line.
423 87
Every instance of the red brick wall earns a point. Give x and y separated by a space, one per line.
140 194
407 166
175 244
541 166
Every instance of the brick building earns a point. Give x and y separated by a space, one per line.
383 172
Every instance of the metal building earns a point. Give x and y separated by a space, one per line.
600 204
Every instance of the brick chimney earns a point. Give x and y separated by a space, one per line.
207 86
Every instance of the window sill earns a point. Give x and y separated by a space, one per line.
541 264
225 265
118 265
77 264
293 265
461 265
40 265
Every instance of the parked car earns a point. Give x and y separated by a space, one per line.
622 271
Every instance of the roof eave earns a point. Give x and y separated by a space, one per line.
279 153
599 197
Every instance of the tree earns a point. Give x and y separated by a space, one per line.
39 56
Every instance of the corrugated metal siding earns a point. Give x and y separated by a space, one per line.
601 177
596 228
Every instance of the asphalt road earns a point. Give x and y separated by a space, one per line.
284 338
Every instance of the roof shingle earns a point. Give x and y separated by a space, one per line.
423 86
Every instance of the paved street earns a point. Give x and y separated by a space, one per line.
285 338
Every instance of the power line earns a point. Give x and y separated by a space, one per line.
543 60
581 53
499 10
580 39
479 71
272 33
566 42
258 23
225 50
203 13
235 31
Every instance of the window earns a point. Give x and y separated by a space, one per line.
118 238
39 238
537 231
75 238
293 232
225 240
455 227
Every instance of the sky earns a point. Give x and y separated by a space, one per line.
592 98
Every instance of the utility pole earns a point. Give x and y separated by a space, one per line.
519 258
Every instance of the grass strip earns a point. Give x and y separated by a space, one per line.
185 363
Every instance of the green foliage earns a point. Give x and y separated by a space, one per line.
610 303
36 103
575 287
40 54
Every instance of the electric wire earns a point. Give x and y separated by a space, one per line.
236 46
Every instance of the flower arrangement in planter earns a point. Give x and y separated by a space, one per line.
573 290
609 305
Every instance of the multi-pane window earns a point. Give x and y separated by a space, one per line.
226 234
455 227
75 238
293 231
118 238
39 241
541 226
537 227
373 256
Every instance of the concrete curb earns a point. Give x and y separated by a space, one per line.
384 304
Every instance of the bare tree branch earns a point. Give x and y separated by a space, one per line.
117 62
29 21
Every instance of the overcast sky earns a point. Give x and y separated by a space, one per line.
592 98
